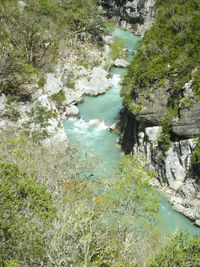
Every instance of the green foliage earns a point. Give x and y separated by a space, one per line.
58 98
196 83
117 49
99 221
11 112
30 35
37 124
169 50
26 208
81 62
180 251
164 139
41 81
196 155
83 18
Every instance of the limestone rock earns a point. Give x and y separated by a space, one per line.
137 15
53 84
97 84
95 122
113 127
122 63
72 111
188 123
153 133
72 97
109 39
2 102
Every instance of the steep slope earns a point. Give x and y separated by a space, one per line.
161 93
136 15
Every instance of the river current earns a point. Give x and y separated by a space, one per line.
97 138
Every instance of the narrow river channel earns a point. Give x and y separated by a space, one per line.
99 139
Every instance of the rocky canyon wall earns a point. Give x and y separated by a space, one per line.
176 174
135 15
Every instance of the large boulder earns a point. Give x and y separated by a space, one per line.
72 111
53 84
121 63
96 84
95 122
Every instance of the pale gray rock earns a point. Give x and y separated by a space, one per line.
2 102
109 39
197 223
95 122
173 166
113 127
153 133
72 111
22 5
188 123
136 15
53 84
122 63
72 97
46 102
97 84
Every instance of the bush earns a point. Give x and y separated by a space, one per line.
165 138
42 81
58 98
38 121
99 222
12 112
26 210
169 50
117 49
180 251
196 155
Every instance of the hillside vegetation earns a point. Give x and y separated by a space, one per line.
54 208
55 212
169 53
31 31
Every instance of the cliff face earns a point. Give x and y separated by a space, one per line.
140 134
161 118
135 15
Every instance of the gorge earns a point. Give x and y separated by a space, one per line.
149 108
98 195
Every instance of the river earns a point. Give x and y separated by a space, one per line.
101 141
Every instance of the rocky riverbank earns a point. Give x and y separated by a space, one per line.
79 72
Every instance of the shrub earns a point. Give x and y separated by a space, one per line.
58 98
100 222
38 121
180 251
12 112
117 49
196 155
165 137
41 81
26 210
169 50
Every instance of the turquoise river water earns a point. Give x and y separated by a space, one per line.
101 141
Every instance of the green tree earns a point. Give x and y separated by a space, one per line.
26 209
99 221
180 251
